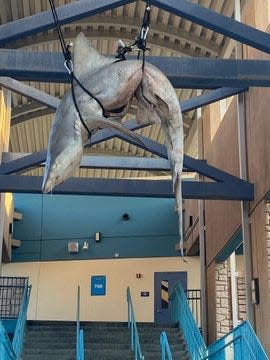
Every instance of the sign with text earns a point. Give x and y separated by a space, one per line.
98 285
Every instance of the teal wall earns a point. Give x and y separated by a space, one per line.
51 221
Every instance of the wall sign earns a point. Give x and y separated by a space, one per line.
144 293
98 285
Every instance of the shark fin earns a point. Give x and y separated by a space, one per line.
99 122
86 58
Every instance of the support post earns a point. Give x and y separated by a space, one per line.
202 232
203 268
241 121
234 294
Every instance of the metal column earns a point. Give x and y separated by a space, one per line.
241 120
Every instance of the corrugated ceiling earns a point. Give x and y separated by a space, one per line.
169 36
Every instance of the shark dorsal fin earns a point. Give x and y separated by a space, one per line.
87 58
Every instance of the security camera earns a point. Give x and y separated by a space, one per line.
125 217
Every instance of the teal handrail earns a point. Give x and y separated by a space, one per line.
135 342
240 343
6 349
79 332
12 351
17 342
184 317
165 347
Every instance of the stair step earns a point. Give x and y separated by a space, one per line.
46 340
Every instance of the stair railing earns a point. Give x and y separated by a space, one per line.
165 347
184 317
79 331
17 342
6 349
135 342
241 343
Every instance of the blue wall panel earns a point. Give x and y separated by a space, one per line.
51 221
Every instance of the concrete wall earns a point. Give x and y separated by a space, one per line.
55 285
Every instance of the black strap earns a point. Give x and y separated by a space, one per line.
69 66
64 47
76 105
140 40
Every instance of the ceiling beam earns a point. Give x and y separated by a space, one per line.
182 72
136 188
189 163
29 91
44 21
209 98
53 102
194 165
101 162
212 20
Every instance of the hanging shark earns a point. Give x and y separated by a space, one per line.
114 84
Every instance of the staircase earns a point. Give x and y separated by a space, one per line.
52 340
149 338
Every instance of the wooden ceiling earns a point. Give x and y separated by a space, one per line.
169 35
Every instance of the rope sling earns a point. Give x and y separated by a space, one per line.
139 43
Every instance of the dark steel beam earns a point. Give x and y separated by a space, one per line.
95 162
29 91
44 21
216 22
182 72
189 163
136 188
211 97
53 102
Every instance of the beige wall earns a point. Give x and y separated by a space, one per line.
5 113
55 285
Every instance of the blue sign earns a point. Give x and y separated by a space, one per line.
98 285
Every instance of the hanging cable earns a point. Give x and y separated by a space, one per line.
64 47
69 66
140 40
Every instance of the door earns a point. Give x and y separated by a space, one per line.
164 283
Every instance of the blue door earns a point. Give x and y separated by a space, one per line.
164 284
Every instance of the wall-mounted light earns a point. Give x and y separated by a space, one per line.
73 247
138 275
125 217
255 292
97 236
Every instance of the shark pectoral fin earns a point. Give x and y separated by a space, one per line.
99 122
163 106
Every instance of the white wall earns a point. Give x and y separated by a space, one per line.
54 286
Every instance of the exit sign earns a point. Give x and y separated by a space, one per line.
98 285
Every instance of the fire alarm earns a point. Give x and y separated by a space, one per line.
138 275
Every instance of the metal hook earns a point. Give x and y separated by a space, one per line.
69 66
